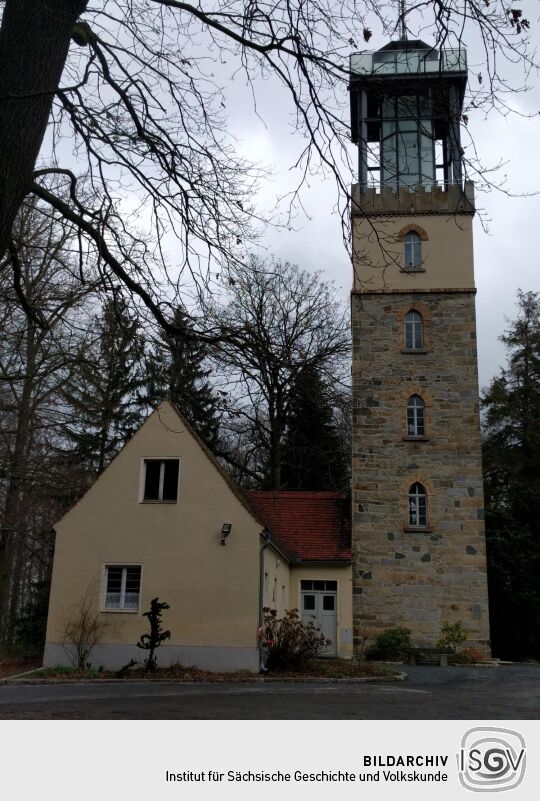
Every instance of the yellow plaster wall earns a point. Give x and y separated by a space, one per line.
378 254
212 589
276 577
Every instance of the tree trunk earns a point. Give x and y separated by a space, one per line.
34 42
14 505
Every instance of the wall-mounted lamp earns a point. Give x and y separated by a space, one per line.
225 531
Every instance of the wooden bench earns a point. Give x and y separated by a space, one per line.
429 656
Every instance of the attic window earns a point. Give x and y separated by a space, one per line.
160 480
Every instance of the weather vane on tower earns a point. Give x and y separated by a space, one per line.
401 21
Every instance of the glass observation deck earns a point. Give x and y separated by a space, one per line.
408 62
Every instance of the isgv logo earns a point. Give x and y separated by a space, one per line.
491 759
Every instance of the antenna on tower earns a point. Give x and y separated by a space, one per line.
402 26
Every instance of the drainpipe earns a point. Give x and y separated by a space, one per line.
265 536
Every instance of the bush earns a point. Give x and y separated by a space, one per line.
469 656
392 643
289 642
452 635
84 630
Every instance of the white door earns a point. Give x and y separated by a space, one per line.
327 616
319 606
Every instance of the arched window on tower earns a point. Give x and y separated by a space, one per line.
414 331
417 505
415 417
413 251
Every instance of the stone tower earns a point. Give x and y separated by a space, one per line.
418 528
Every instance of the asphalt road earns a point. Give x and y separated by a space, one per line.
511 692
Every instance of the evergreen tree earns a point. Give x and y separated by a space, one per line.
315 453
512 488
103 392
176 369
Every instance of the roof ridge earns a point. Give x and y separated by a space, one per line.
299 493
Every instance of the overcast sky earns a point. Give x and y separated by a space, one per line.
507 257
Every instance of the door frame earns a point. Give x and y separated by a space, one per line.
335 592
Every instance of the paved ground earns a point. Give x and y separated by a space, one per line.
511 692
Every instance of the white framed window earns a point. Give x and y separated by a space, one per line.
414 331
159 480
413 251
418 506
122 588
415 417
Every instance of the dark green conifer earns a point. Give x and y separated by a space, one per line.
176 369
512 488
103 391
315 454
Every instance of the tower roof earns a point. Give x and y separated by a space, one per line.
408 58
406 44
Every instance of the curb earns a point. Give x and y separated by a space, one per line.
13 680
346 680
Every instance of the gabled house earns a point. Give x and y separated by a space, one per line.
165 520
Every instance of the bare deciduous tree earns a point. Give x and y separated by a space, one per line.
36 357
280 322
137 89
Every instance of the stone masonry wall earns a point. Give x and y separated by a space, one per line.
417 578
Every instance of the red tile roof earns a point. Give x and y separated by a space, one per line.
314 526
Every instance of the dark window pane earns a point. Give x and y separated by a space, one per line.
309 602
328 603
420 422
170 480
422 517
114 579
318 585
114 588
408 336
418 336
151 479
306 585
331 586
133 579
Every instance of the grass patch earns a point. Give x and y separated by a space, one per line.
67 672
